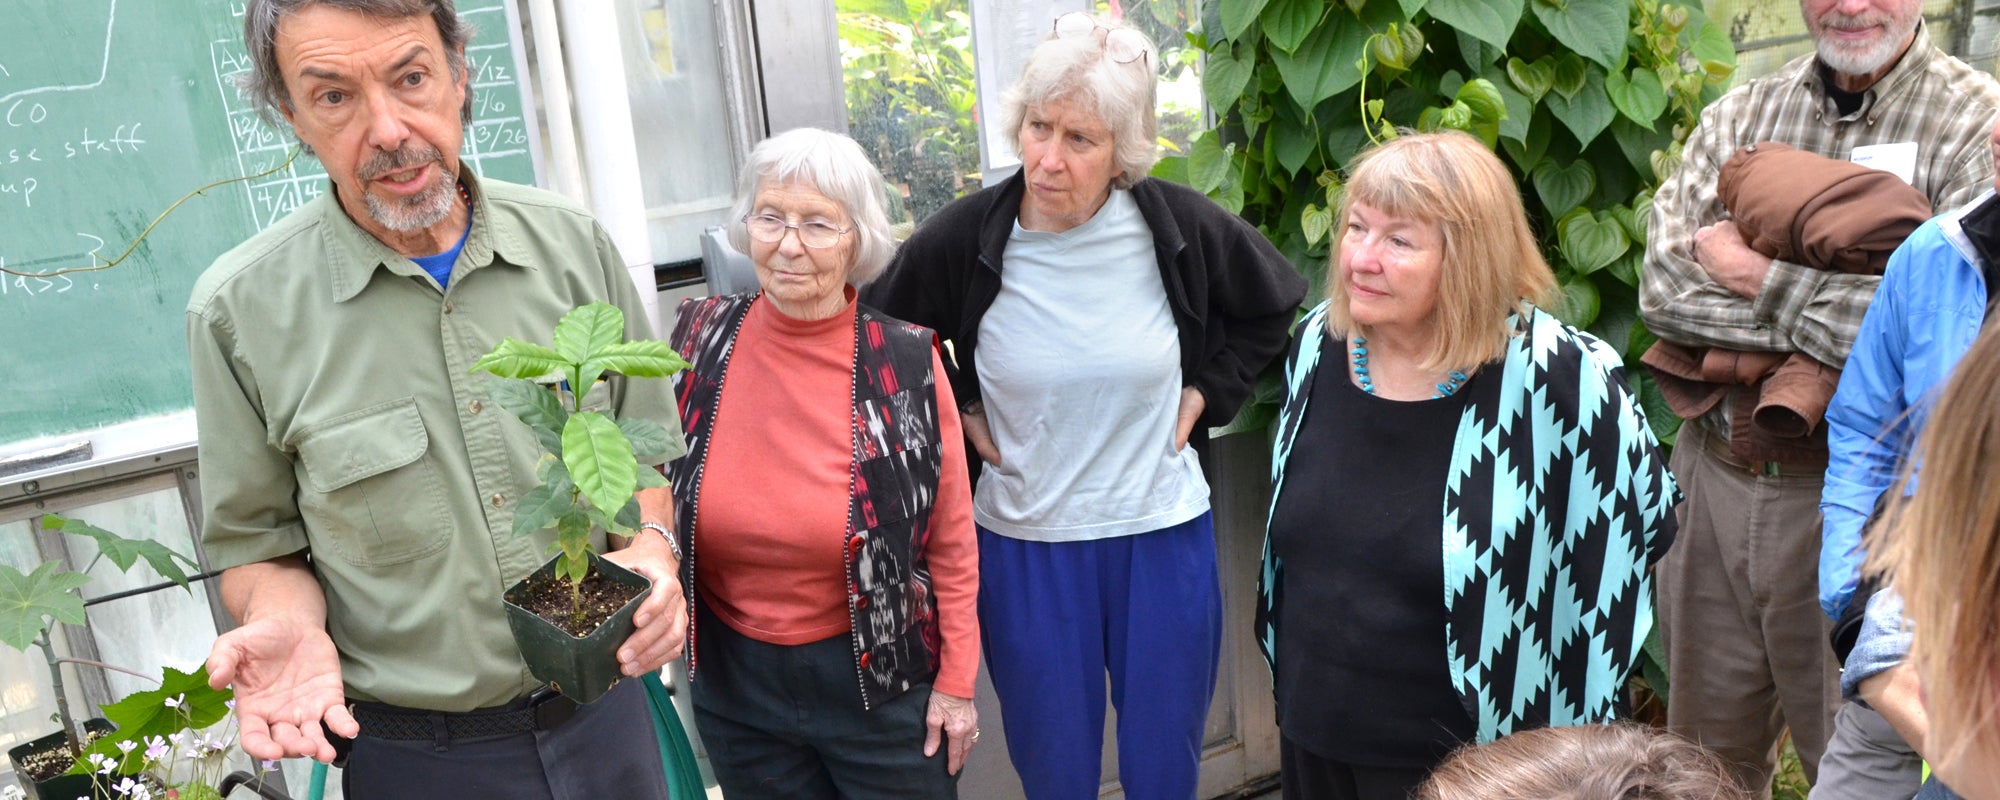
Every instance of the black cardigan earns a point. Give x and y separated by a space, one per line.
1233 295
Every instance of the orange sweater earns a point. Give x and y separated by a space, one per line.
773 508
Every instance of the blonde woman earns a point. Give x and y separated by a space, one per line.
1941 549
1467 494
1584 762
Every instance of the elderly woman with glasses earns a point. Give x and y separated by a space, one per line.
1101 321
824 507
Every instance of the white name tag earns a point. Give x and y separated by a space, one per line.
1896 158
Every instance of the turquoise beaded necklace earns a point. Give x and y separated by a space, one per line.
1360 352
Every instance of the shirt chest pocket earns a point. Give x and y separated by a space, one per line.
368 491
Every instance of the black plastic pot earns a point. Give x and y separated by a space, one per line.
584 668
60 787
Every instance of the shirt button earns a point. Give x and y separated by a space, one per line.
861 601
447 308
477 406
499 500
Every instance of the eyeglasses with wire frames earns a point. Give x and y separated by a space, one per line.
1121 45
770 229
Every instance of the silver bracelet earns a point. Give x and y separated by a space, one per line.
672 543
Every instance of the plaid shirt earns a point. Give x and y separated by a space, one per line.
1930 98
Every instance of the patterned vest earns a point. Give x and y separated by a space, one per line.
891 487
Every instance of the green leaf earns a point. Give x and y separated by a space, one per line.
1587 112
1287 23
1172 168
1660 415
27 602
1325 64
651 479
646 358
1568 75
1238 15
144 714
1529 150
599 459
1520 109
650 441
514 358
1564 188
1208 162
123 552
1533 78
1473 51
1223 78
1639 143
1316 221
587 329
1484 100
573 540
543 505
1293 144
1712 43
1411 7
535 405
1594 28
1579 303
1640 98
1590 242
628 517
1635 228
1492 21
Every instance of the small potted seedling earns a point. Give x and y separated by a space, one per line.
570 615
30 606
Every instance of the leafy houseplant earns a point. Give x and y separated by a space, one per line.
589 474
30 606
1587 101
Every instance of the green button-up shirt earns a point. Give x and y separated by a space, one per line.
339 416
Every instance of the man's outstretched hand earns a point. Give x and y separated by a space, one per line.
287 680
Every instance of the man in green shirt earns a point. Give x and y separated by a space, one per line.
358 483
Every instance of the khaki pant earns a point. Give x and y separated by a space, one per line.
1747 653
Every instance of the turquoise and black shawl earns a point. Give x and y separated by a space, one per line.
1557 502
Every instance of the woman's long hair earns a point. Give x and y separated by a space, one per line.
1941 549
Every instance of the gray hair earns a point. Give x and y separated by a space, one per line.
833 165
264 83
1121 95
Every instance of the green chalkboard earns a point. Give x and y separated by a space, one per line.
109 111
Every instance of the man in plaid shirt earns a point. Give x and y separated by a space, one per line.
1745 637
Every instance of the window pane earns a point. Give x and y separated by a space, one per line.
910 96
673 68
144 632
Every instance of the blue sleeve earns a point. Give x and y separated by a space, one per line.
1862 452
1884 642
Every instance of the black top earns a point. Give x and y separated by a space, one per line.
1844 101
1361 664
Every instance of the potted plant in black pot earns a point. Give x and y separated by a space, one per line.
30 606
570 615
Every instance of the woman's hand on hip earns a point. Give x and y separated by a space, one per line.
973 418
954 719
1192 404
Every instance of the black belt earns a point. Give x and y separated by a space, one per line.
541 711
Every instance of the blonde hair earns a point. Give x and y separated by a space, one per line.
1120 95
1940 547
1492 264
1585 762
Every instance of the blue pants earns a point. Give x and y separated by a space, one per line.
1055 616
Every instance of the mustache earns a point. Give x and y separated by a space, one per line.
1865 20
399 159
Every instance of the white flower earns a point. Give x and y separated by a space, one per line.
267 765
104 764
156 747
132 790
176 700
127 746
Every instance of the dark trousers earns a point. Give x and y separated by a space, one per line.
1306 776
786 722
609 749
